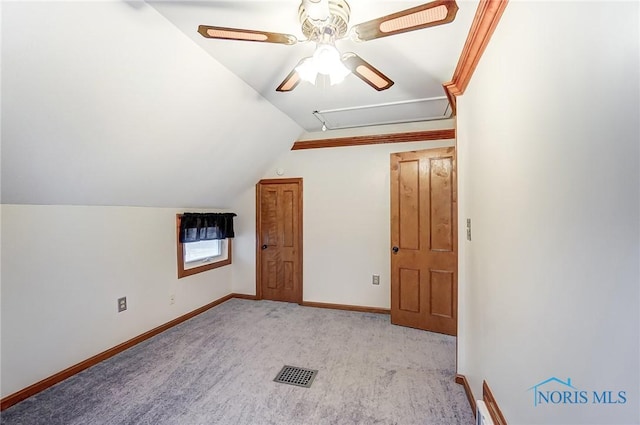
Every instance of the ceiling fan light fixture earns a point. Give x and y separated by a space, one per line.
338 76
324 22
307 70
327 59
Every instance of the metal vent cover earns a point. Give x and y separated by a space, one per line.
299 376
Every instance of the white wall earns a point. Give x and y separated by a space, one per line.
346 222
548 146
113 106
64 267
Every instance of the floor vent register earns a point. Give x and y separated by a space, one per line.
296 376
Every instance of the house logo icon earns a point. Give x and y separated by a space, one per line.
539 395
555 391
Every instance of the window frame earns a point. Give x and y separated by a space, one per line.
182 272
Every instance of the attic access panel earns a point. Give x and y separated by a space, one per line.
429 109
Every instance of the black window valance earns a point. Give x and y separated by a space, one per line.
206 226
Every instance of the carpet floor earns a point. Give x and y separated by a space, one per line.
218 368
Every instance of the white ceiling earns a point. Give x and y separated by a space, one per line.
124 103
419 62
116 107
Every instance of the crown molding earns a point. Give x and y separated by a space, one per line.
484 24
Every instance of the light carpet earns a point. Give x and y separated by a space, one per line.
218 368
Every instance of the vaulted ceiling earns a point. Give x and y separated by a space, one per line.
124 103
418 62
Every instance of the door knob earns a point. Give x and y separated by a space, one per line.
395 249
264 247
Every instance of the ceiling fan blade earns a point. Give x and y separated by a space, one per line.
245 35
366 72
290 82
427 15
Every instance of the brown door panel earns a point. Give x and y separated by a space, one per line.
279 240
424 229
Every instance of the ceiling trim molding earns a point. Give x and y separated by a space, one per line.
484 24
375 139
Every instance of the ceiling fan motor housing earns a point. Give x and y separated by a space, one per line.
338 20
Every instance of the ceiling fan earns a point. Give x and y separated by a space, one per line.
324 22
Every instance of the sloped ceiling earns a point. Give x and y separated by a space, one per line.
107 103
123 103
419 62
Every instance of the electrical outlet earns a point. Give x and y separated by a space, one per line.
172 299
376 279
122 304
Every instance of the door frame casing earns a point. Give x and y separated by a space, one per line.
293 180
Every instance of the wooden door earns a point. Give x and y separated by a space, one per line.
279 240
424 256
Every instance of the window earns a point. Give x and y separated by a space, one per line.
200 256
202 251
